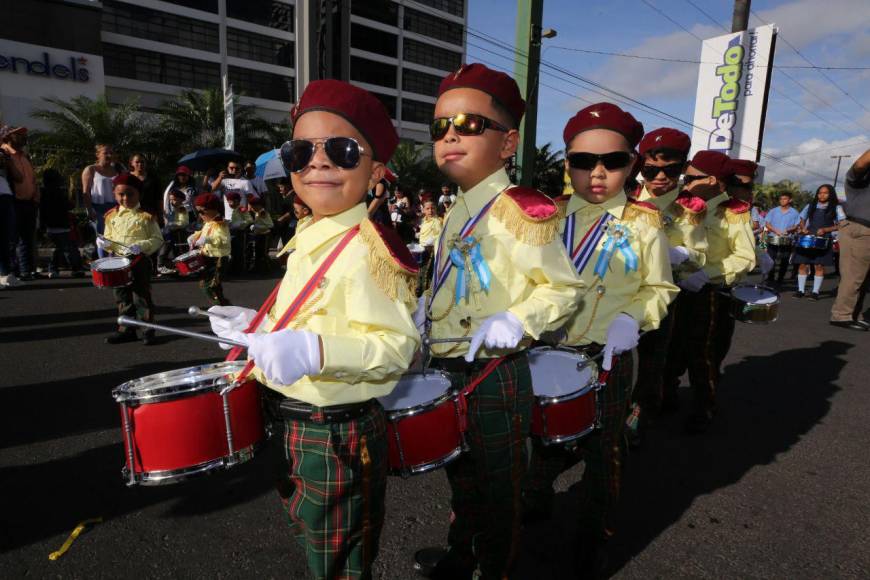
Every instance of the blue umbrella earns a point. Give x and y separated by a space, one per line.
269 166
206 158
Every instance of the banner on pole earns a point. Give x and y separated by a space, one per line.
229 121
733 83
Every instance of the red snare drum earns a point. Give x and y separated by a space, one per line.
112 272
566 386
190 263
177 424
422 423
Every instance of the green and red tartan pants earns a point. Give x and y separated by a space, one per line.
338 473
211 281
652 351
603 452
486 481
134 300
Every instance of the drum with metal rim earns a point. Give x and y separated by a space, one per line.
112 272
190 263
754 304
810 242
775 240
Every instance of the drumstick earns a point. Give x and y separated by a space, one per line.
197 311
428 340
126 321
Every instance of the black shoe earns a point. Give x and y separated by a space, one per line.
698 422
799 294
590 561
851 324
814 296
148 338
53 275
534 511
863 323
121 336
442 564
27 277
78 274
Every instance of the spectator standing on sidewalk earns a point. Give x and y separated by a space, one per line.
854 238
285 224
7 218
232 181
23 182
183 182
257 182
150 200
55 217
97 186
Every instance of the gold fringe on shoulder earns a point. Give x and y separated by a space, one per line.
397 281
637 213
528 230
733 217
686 215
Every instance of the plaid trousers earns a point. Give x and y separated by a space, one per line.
486 481
211 282
135 300
724 329
652 350
338 473
603 452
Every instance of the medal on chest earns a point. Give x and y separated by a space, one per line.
467 257
617 239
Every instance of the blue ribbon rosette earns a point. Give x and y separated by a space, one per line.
467 257
617 239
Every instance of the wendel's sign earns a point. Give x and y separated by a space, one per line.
733 81
73 69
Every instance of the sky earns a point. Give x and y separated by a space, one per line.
812 114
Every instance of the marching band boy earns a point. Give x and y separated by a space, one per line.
501 275
214 242
353 335
625 261
129 225
177 221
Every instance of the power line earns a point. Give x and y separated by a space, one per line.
713 20
826 149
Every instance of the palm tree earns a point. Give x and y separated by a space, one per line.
768 194
416 169
549 170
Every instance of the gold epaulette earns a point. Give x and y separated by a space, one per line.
531 216
394 272
691 217
731 216
638 213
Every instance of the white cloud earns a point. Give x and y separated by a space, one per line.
813 157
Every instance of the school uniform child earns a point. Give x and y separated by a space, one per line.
174 232
240 221
520 284
820 218
214 242
138 232
782 220
56 220
352 338
260 228
624 259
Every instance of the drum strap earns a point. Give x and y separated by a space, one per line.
304 294
470 387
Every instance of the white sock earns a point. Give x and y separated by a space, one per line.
817 283
802 282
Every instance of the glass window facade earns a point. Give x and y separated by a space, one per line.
263 12
420 82
432 26
455 7
389 102
428 55
378 10
417 112
262 85
253 46
150 24
156 67
371 40
374 73
204 5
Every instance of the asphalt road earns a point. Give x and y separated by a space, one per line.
778 488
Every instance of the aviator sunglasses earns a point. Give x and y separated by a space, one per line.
671 171
588 161
344 152
465 124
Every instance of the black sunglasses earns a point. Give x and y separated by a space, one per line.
671 171
588 161
465 124
344 152
690 178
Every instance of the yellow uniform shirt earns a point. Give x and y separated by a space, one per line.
177 218
300 225
364 323
217 243
262 222
731 253
133 226
430 229
683 222
240 220
531 275
660 201
643 294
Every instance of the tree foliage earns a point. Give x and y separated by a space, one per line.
549 170
415 167
768 194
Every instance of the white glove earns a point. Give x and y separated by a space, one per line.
678 255
200 241
419 316
765 262
502 330
694 282
190 240
104 244
284 356
135 249
237 319
622 335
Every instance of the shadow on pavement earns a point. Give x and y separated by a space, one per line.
65 317
759 418
104 326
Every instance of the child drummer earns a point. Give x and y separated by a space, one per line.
133 232
214 242
501 276
353 335
624 258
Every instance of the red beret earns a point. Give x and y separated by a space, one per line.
358 107
497 85
742 167
234 196
666 138
183 170
208 201
254 199
711 163
604 116
128 179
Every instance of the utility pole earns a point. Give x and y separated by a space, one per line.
526 71
839 158
740 20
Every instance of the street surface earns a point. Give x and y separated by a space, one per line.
778 488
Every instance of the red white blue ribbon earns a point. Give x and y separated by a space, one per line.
582 253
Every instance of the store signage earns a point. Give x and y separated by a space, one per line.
75 69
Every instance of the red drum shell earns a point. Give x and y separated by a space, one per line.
567 420
190 263
114 272
566 394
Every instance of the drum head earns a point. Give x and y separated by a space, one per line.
177 383
557 372
187 255
111 263
755 294
416 389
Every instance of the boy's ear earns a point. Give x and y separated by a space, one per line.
510 144
378 172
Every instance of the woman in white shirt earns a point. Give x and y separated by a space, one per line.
97 187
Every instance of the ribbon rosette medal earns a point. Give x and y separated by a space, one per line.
467 257
618 239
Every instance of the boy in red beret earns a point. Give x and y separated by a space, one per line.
213 240
501 278
133 232
353 286
625 258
